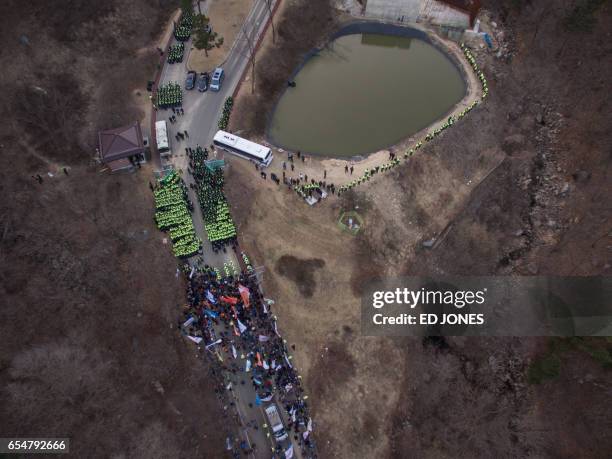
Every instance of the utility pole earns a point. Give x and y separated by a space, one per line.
251 56
269 5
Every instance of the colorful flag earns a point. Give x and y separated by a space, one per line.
234 353
245 294
229 299
212 344
210 297
241 326
210 313
195 339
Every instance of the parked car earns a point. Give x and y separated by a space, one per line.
203 82
190 80
217 79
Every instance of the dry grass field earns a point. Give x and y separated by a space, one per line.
491 192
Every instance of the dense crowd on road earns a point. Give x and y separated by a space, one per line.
173 215
230 316
169 95
209 183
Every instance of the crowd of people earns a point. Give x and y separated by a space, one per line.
176 52
230 316
227 111
182 30
300 183
209 182
169 95
173 215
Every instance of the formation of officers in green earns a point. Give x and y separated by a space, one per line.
218 221
173 215
182 31
176 52
430 136
169 95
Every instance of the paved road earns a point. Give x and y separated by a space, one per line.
202 112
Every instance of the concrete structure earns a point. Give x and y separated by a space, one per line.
116 146
458 14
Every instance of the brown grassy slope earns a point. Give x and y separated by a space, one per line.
302 26
546 120
89 346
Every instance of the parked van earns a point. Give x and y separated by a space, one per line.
217 79
278 429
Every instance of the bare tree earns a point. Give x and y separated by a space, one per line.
251 53
205 38
269 5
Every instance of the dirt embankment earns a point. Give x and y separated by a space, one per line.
89 347
300 26
515 188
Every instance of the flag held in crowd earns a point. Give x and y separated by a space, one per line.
245 294
213 343
229 299
210 313
210 297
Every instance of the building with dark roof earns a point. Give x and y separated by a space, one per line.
117 146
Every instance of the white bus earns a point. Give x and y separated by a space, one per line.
242 147
161 135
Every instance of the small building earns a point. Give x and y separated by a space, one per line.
123 147
458 14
